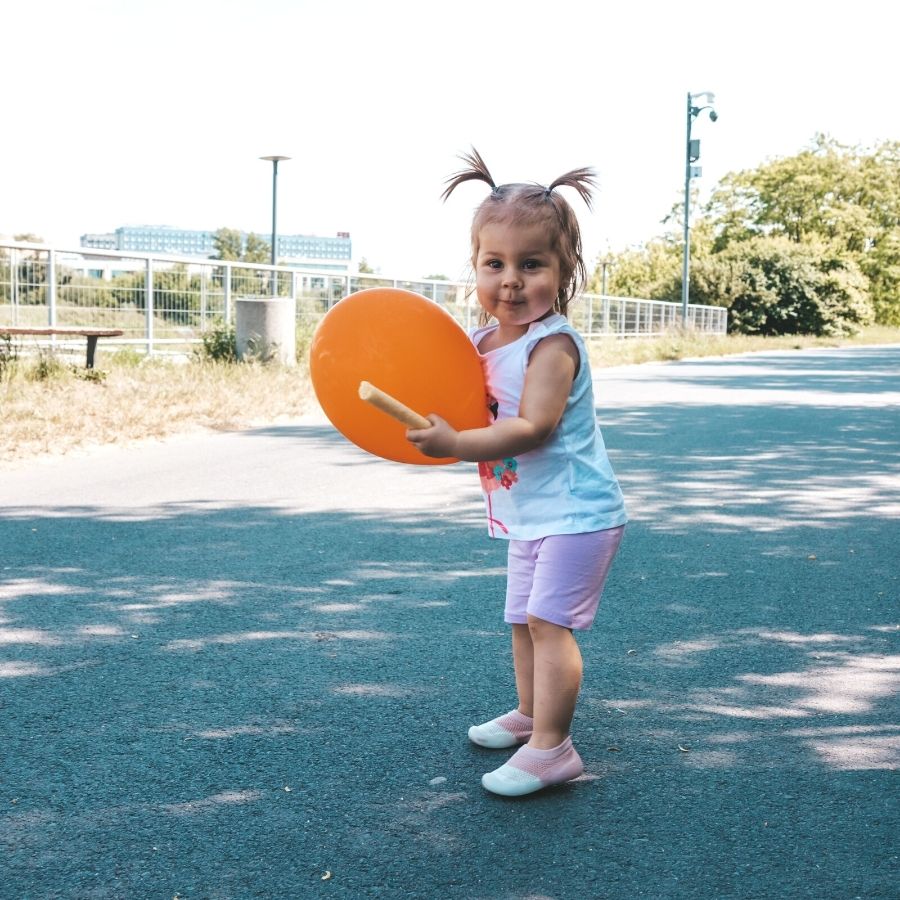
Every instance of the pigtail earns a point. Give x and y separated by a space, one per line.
476 170
582 180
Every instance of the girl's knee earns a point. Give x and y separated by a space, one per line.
541 628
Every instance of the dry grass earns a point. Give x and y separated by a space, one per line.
50 406
681 345
63 411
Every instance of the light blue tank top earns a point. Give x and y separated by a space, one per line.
565 486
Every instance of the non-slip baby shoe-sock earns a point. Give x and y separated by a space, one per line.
528 770
505 731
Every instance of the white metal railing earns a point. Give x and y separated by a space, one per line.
167 302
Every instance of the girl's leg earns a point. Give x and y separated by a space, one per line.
523 661
549 757
513 727
567 576
557 670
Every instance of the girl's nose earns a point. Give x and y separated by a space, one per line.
511 277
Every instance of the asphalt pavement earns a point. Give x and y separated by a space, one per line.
240 665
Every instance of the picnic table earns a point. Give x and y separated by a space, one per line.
92 334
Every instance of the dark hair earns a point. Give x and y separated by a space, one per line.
533 204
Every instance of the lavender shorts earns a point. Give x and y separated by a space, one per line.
559 578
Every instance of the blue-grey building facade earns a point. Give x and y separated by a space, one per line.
293 249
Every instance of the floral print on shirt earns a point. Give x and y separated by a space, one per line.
497 474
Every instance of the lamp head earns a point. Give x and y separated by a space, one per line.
713 115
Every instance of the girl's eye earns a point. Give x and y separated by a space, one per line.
531 264
494 263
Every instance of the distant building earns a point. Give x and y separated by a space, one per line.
299 250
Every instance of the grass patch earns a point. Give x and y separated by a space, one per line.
54 409
51 408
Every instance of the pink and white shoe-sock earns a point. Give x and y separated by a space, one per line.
528 770
505 731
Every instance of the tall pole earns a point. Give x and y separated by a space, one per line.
274 206
686 259
691 155
274 160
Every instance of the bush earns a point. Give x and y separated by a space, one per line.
304 335
46 367
127 357
8 355
773 286
220 344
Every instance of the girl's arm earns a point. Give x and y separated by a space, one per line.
548 380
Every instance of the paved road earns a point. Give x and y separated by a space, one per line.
233 664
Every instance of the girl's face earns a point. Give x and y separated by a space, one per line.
517 274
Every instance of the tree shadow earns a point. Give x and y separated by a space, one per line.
868 370
234 699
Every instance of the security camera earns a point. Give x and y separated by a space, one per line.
713 115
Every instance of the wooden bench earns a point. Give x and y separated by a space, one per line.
68 330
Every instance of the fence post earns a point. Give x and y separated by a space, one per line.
51 290
226 297
14 283
204 289
148 304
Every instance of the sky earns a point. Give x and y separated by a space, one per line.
156 113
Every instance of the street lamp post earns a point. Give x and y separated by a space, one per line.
274 160
691 155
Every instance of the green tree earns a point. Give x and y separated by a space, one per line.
650 272
817 193
229 245
653 271
845 198
257 250
839 205
882 267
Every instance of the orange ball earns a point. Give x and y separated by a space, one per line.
407 346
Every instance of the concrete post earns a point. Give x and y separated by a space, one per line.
265 328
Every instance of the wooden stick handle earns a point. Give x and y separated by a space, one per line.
386 403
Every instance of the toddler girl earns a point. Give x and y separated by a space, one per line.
548 485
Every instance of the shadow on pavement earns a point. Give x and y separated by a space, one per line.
232 702
869 370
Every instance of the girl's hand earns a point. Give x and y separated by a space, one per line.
437 441
548 381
